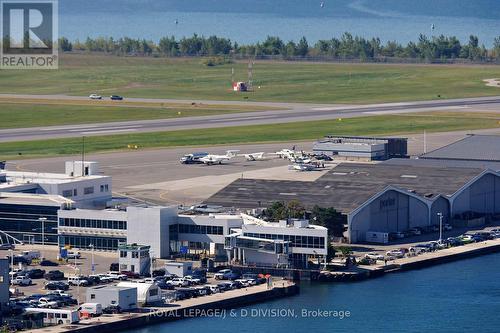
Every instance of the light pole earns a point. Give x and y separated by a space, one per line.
42 220
440 227
151 263
11 253
92 268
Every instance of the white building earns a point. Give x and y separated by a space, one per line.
167 233
134 258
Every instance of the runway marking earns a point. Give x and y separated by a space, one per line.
245 118
105 128
72 127
110 131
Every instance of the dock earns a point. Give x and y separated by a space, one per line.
215 305
363 272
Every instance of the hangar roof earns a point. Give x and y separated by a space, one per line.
346 187
473 147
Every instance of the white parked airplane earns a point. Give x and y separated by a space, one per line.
218 159
254 156
302 167
286 153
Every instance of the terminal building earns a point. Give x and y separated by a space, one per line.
29 201
362 148
234 238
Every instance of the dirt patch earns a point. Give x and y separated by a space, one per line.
492 82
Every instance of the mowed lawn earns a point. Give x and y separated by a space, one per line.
34 115
373 125
273 81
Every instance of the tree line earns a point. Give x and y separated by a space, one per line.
347 46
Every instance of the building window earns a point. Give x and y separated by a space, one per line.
88 190
75 192
135 254
123 254
92 296
67 193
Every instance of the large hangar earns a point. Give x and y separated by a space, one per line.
381 197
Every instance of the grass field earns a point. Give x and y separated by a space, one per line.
33 115
381 125
278 81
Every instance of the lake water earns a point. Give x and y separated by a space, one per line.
247 21
462 296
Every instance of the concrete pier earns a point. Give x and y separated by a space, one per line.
213 305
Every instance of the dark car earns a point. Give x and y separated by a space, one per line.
114 267
116 98
323 157
164 285
54 275
7 246
159 272
131 275
57 285
35 273
112 309
48 263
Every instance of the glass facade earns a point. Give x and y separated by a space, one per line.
196 229
23 222
296 241
88 223
99 243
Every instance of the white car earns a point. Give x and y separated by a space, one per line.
117 276
223 274
192 280
77 281
45 303
73 255
179 282
95 96
244 283
395 254
21 281
104 278
374 256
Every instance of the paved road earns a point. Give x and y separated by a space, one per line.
293 113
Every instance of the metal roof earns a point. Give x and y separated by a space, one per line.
473 147
347 186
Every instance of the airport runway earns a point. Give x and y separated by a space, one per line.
155 175
292 113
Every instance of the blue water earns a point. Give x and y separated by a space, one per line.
248 21
462 296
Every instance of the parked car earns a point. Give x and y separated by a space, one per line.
21 280
45 302
48 263
95 96
54 275
131 275
374 256
56 285
415 231
112 309
19 260
73 255
164 285
159 272
223 274
395 253
192 280
179 282
117 276
78 281
116 98
35 273
213 288
7 246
